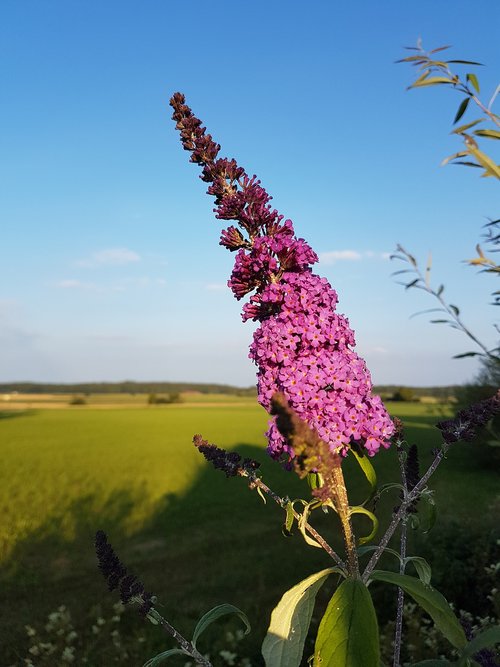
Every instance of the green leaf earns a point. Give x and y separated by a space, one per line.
303 521
348 632
158 659
421 78
468 164
473 79
482 158
367 468
491 134
410 59
485 639
453 157
467 126
358 509
461 109
465 62
456 311
290 518
428 498
389 486
315 480
422 567
433 81
466 354
290 620
440 48
368 549
261 494
215 613
431 601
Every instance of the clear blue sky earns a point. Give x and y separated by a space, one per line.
109 257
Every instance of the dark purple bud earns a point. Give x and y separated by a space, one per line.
116 575
228 462
467 422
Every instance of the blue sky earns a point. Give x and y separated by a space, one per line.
109 257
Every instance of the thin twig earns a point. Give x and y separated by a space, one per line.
398 516
186 645
256 482
398 632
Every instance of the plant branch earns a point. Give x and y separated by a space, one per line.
399 515
186 645
422 282
402 551
256 482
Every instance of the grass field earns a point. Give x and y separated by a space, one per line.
194 537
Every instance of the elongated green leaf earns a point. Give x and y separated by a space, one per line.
359 509
215 613
287 527
422 567
485 639
491 134
441 48
467 126
473 79
431 601
453 157
290 620
468 163
421 78
466 354
461 109
433 81
158 659
428 497
483 159
368 549
368 470
389 486
465 62
348 632
315 480
303 521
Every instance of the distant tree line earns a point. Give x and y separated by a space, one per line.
172 388
126 387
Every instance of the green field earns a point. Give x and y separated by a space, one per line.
194 537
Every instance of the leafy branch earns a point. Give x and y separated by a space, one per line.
422 280
433 72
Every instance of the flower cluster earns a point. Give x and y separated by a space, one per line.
468 421
303 348
229 462
116 575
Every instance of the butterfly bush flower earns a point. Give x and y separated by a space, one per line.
303 348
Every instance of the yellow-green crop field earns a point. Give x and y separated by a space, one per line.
196 538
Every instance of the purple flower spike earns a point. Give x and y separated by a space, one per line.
303 349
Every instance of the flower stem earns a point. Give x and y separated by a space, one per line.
341 504
401 597
186 645
398 633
